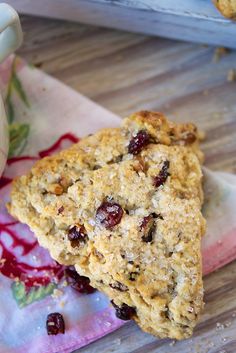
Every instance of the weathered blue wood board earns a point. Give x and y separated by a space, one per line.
191 20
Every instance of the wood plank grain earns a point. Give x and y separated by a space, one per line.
143 72
200 8
192 20
127 72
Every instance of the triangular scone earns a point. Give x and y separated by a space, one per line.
124 207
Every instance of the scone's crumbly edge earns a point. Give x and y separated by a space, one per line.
227 8
124 206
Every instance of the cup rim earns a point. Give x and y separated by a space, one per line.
4 139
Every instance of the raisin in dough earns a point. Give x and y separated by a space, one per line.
124 207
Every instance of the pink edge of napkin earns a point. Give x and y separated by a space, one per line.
49 101
219 255
219 242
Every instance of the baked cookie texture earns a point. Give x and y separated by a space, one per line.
124 206
227 8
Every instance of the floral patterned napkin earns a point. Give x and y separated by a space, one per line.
45 116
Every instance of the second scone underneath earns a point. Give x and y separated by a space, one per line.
124 207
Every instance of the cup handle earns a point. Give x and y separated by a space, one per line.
10 31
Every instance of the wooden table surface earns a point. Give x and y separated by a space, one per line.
126 72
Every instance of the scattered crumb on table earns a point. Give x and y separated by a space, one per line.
56 293
231 75
219 52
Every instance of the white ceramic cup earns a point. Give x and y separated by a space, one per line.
10 40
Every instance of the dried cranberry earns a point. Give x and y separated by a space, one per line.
189 138
138 142
77 234
119 286
55 324
147 228
109 214
163 175
124 312
60 210
77 282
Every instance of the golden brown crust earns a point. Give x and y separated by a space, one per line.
227 8
161 276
